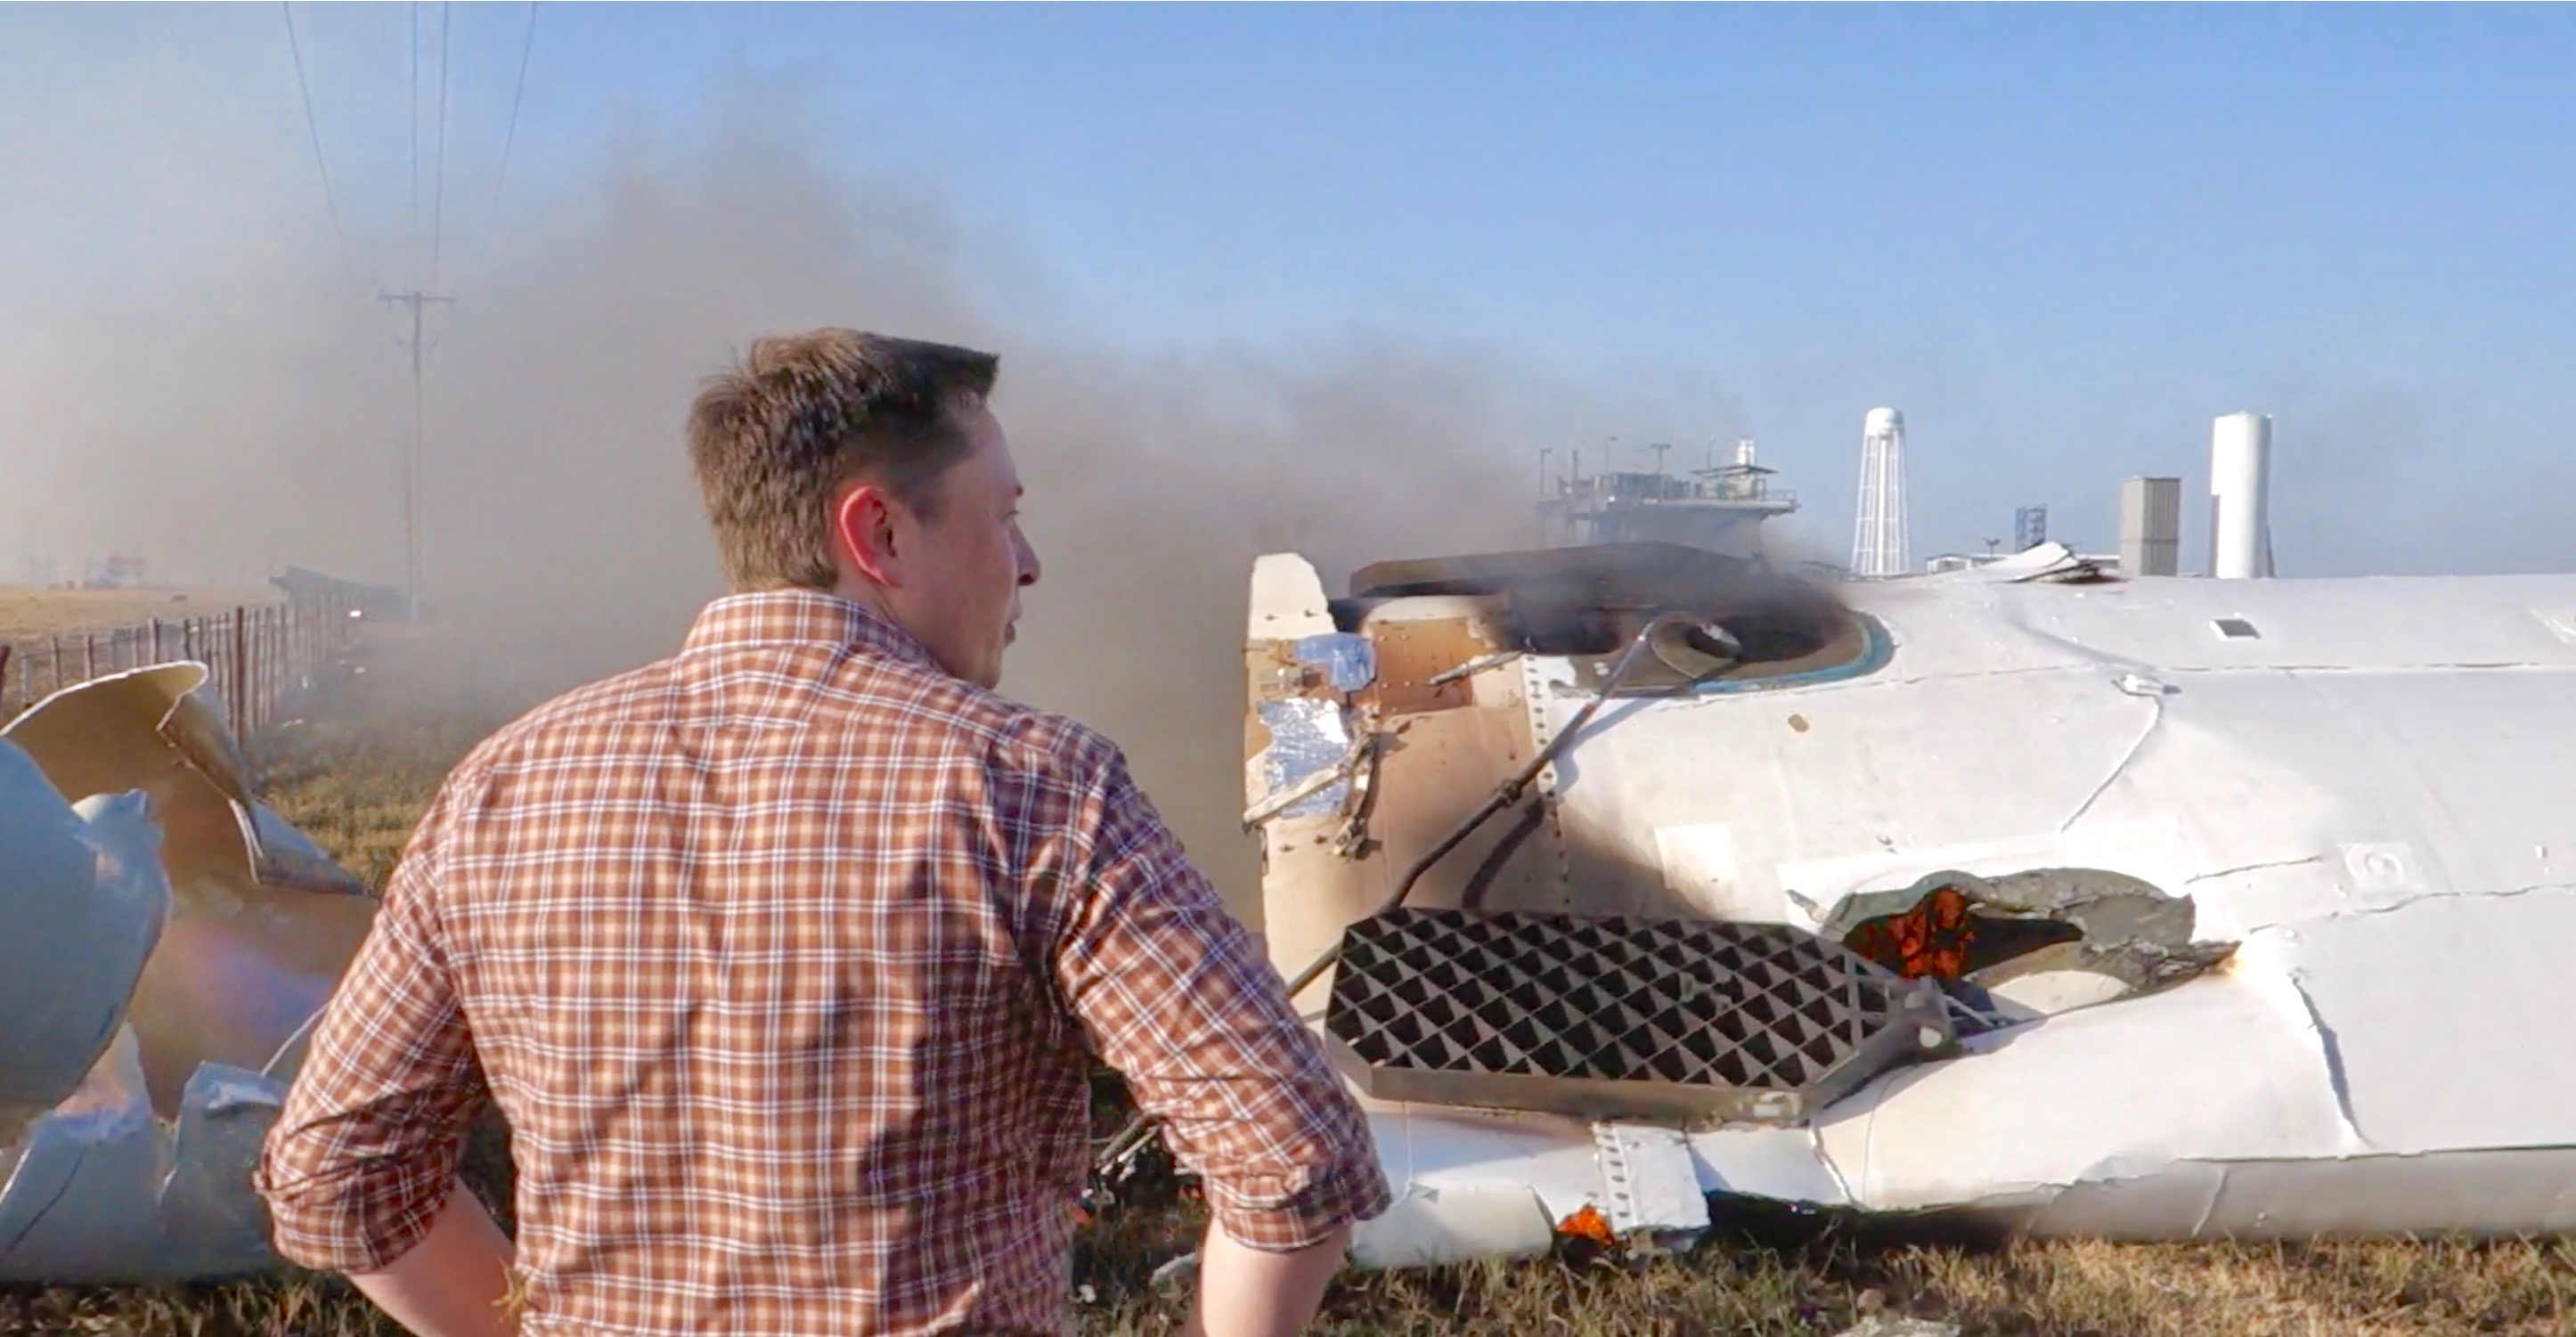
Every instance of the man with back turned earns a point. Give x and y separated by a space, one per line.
784 956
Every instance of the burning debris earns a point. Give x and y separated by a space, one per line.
2037 942
2228 935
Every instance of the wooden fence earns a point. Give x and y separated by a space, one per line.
256 652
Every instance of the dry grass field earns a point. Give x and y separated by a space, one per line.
27 613
359 764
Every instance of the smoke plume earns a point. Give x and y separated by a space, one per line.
255 418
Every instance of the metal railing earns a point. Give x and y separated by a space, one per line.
1650 489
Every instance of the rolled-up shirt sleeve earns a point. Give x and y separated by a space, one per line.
1175 995
366 1150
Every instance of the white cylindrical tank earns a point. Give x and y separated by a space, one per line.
1882 421
2240 496
1744 458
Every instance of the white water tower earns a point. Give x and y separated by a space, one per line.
1879 546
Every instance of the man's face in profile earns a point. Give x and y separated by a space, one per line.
966 602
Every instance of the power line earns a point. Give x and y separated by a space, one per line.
527 46
312 126
414 13
438 190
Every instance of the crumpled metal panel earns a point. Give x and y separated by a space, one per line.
78 1198
1612 1017
1306 736
167 942
103 1191
1349 661
82 902
153 729
223 1118
261 922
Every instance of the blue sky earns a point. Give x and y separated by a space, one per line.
2062 239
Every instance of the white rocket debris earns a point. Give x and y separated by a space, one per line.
167 938
2248 897
2280 874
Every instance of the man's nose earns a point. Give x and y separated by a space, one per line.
1028 558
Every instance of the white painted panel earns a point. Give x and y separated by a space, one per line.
2448 1018
1699 867
1432 1147
1432 1226
1766 1162
2223 1068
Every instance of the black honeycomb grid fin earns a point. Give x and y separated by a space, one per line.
1617 1017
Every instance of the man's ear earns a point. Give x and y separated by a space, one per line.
864 530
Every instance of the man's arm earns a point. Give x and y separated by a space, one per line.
360 1170
1245 1292
455 1282
1175 996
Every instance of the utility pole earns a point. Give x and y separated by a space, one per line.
1545 494
418 304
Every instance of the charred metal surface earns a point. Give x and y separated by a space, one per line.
1610 1018
1988 933
1436 769
1589 601
1412 655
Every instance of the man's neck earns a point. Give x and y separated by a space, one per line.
869 595
875 598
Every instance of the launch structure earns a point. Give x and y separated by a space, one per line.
1879 546
2030 526
1716 509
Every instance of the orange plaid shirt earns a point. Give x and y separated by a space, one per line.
782 957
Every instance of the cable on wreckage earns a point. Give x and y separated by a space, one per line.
1699 635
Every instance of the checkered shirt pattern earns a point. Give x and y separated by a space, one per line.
782 958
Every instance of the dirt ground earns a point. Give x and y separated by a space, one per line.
355 767
29 612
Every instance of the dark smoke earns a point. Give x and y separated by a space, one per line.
564 537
